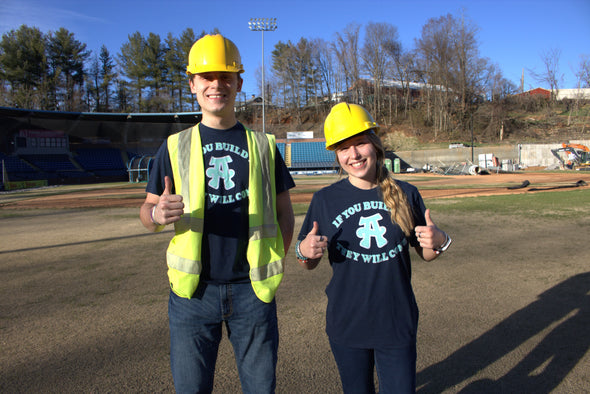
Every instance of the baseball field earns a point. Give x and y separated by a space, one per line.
83 292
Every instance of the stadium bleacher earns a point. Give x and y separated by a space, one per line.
311 155
101 161
50 163
95 164
281 148
17 169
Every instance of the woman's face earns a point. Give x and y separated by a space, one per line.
358 157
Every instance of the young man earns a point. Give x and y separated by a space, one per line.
226 189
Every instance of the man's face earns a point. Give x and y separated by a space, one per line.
216 91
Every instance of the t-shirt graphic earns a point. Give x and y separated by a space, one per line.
221 172
371 239
369 228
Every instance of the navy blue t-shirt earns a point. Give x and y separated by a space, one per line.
225 233
370 298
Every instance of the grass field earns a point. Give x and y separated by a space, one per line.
84 293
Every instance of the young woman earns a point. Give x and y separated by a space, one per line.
367 223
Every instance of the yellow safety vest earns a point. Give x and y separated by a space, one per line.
265 252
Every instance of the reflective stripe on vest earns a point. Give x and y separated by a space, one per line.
265 252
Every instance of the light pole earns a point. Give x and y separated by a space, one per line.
262 25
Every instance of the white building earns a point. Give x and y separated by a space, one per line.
573 94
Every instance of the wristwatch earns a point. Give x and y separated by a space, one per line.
445 245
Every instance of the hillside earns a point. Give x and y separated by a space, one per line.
531 121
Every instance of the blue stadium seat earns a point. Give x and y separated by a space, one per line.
281 148
107 161
50 163
17 169
311 155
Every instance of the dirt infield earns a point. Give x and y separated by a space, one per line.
83 297
431 186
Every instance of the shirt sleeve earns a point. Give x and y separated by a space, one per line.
310 216
161 168
418 210
283 179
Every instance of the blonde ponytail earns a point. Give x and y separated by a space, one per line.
393 196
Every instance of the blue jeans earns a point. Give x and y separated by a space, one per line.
396 368
195 334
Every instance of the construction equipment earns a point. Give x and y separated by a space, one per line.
573 156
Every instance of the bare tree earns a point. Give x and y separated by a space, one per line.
346 48
583 81
402 66
378 37
324 63
435 50
583 73
550 75
455 74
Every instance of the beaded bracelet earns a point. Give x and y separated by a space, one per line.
301 258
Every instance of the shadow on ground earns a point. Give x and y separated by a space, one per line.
563 311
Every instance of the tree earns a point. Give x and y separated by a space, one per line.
551 75
306 72
346 48
583 73
93 85
155 54
284 71
24 66
448 62
123 96
324 63
66 58
133 65
435 51
173 63
175 60
381 39
402 70
106 75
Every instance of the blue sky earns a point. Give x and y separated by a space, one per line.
512 33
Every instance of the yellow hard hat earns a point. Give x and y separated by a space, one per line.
214 53
344 121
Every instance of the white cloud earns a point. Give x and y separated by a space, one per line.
46 18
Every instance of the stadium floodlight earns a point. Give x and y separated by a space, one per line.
262 25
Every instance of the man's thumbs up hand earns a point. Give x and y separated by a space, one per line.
170 207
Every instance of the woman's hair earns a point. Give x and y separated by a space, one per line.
394 197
